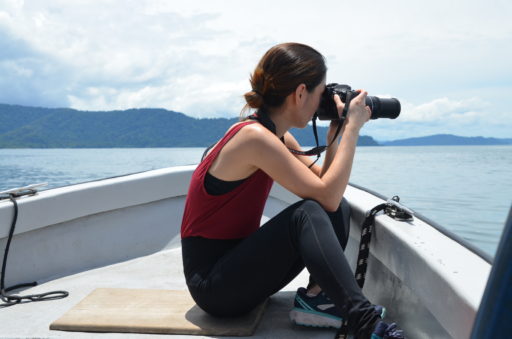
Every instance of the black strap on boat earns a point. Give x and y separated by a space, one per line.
393 209
11 299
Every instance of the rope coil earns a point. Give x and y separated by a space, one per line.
10 299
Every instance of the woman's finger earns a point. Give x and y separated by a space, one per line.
362 95
339 104
369 113
338 101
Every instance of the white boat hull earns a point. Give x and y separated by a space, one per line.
124 232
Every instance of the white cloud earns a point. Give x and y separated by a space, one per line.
444 109
470 117
195 56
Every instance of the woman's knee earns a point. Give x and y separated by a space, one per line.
310 213
312 206
339 220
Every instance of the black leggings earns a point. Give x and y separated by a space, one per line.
231 277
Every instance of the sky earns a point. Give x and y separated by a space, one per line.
448 62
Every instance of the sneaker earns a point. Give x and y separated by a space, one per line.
318 311
385 331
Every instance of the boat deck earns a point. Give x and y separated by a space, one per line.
162 270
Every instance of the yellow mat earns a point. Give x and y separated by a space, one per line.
151 311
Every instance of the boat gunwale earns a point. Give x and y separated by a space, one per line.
465 243
101 193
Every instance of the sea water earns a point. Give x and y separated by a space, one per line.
466 189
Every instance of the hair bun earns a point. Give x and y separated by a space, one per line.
254 99
280 71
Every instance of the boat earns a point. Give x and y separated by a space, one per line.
125 232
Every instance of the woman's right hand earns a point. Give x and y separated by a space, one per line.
358 113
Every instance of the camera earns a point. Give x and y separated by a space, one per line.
380 107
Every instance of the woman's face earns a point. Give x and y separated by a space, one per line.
312 101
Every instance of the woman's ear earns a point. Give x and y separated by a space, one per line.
300 94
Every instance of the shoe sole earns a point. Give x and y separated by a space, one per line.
315 319
312 319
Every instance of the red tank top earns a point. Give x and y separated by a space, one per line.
233 215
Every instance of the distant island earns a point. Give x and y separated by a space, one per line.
36 127
446 140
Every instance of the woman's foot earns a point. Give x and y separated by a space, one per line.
381 330
318 310
387 331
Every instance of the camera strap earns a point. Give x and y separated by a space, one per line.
262 117
320 149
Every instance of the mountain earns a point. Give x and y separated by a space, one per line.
445 140
36 127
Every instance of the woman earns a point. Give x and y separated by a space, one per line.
231 264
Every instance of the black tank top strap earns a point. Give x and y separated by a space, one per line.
216 186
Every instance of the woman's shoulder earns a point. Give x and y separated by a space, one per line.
251 137
250 129
243 132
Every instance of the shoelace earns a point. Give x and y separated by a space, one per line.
382 330
389 331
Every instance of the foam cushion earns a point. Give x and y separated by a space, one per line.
151 311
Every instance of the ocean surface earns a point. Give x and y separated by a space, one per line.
466 189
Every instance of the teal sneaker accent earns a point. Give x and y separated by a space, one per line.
318 311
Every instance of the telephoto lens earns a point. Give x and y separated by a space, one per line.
380 107
383 107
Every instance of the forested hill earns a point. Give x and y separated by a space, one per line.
34 127
447 140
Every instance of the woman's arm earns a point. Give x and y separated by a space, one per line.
265 151
333 147
292 143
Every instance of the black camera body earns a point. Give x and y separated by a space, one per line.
380 107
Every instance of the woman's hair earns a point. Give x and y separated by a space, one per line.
280 71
